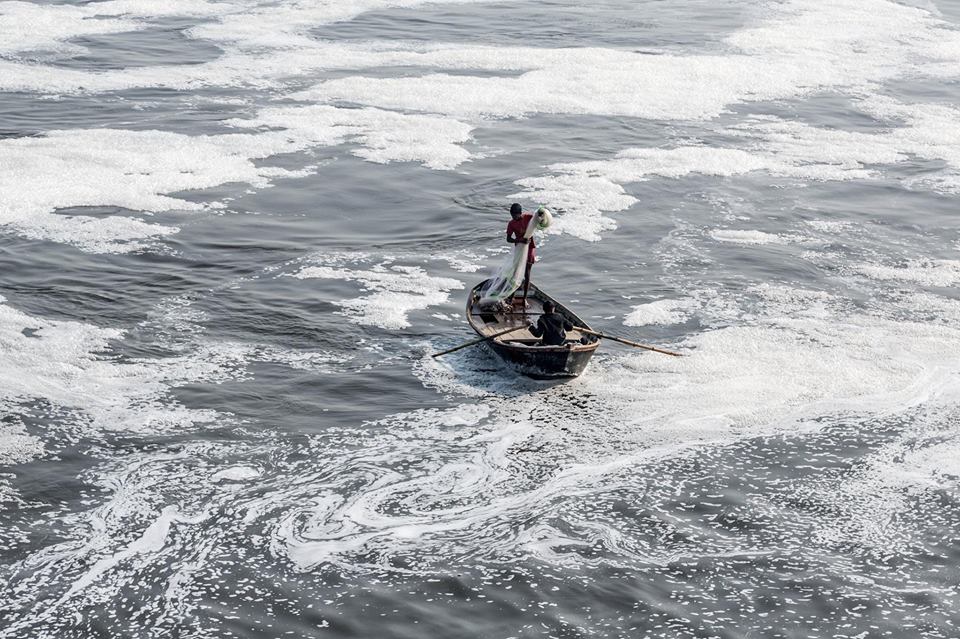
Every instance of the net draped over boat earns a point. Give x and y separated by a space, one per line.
509 276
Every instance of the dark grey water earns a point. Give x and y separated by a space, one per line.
232 234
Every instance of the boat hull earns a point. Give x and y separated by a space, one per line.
544 365
520 348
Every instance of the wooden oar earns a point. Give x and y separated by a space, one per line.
628 342
477 341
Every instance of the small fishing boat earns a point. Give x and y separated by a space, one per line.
519 347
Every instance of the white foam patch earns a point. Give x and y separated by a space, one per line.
395 291
789 300
16 445
582 197
265 43
930 131
662 312
267 25
924 131
791 364
799 47
749 237
803 46
587 190
830 226
138 169
27 26
918 465
385 136
238 67
68 366
229 70
129 169
163 8
834 35
948 184
938 464
923 272
463 261
236 474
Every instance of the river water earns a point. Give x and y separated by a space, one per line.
232 232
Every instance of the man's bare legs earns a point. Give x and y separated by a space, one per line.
526 285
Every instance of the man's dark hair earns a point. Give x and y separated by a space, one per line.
548 307
516 209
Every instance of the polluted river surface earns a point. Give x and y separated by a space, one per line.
232 233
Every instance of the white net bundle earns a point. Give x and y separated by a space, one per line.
509 276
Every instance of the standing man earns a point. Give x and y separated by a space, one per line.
516 228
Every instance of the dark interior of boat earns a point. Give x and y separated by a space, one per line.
489 320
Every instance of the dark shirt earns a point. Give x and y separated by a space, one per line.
552 327
517 228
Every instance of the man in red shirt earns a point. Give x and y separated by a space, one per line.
515 231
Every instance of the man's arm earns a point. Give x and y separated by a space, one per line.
537 331
519 240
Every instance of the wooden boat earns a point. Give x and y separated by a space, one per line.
520 348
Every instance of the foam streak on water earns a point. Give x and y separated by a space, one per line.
233 233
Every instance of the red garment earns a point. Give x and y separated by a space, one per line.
518 228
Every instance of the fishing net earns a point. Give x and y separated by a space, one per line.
509 276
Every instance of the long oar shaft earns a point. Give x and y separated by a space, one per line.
628 342
477 341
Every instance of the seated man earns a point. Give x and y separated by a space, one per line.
551 327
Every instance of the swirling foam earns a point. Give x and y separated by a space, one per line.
780 375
